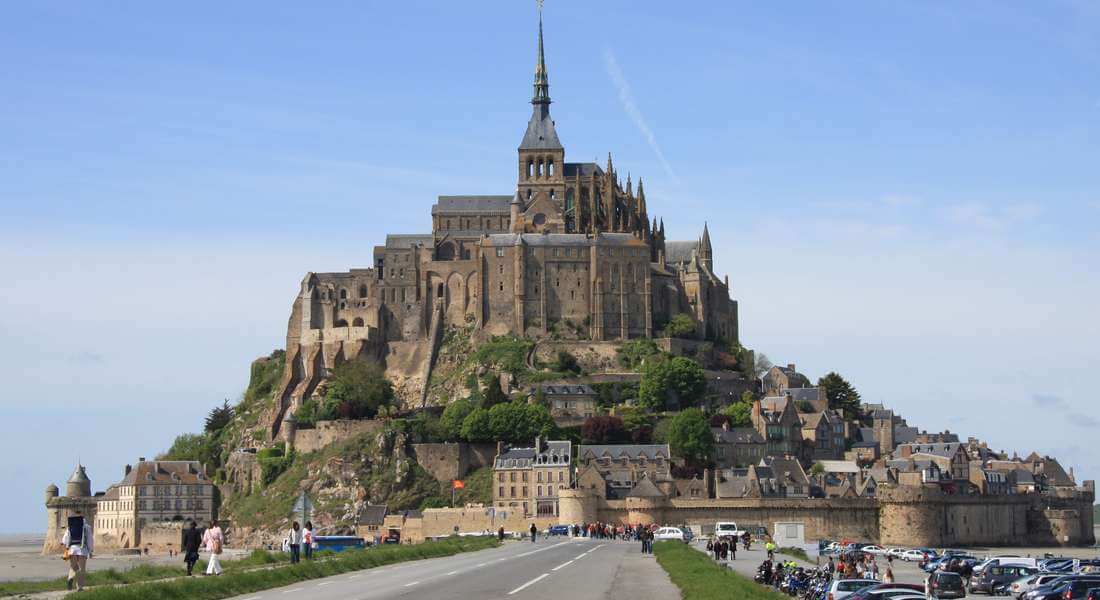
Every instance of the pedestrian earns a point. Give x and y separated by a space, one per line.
214 539
733 548
295 541
534 532
500 534
77 542
770 547
192 541
307 540
888 577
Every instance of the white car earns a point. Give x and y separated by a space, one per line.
895 552
842 588
669 533
873 549
912 555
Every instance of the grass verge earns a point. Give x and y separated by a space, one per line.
138 574
245 582
798 553
700 578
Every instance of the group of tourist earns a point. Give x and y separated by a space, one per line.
723 548
860 565
299 541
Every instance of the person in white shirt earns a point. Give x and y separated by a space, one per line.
78 542
307 540
214 539
295 539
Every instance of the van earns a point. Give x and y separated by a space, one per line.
727 528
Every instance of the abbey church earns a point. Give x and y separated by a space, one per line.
571 252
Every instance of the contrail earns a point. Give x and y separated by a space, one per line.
627 98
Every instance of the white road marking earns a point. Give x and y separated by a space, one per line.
293 590
411 584
562 566
482 564
325 583
452 572
541 549
529 583
253 598
354 576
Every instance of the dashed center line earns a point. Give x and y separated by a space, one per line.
452 572
562 566
529 583
293 590
412 583
325 583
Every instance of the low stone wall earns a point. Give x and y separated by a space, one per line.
162 537
327 433
442 522
449 461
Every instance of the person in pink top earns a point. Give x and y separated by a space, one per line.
214 540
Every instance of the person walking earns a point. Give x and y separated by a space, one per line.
192 541
770 547
213 539
294 540
78 546
733 548
500 534
307 540
534 532
888 577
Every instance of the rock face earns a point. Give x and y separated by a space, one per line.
372 468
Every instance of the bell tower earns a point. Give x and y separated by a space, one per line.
541 155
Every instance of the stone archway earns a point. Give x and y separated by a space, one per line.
455 303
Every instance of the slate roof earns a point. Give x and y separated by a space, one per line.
564 239
946 450
561 389
787 470
680 252
737 435
372 514
807 394
733 483
166 471
811 420
523 458
472 204
645 489
583 169
839 466
631 451
408 240
79 475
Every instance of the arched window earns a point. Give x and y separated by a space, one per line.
530 169
358 322
550 167
341 323
343 294
363 291
539 168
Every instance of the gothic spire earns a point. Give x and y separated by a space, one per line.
542 81
541 134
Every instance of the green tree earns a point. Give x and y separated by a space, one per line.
518 422
359 389
454 416
842 396
475 427
690 437
633 354
195 446
680 326
739 413
566 363
676 382
219 417
494 394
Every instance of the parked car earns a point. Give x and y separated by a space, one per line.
912 556
895 552
944 585
558 530
873 549
883 591
670 533
1024 585
1058 587
842 588
993 576
727 528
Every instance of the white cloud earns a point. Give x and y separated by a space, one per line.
635 113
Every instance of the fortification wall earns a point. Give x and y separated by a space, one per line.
161 537
449 461
442 522
330 432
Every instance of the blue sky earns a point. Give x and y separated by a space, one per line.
905 192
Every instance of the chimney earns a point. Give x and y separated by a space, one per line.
791 366
500 447
538 444
127 471
756 409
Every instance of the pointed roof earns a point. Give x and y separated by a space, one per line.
541 134
645 489
705 241
79 475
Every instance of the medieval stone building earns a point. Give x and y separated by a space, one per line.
572 251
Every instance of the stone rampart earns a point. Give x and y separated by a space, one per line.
329 432
449 461
442 522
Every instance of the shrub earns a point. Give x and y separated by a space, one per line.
603 430
680 326
633 354
359 389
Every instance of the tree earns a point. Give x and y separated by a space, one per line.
518 422
680 326
475 427
566 363
690 437
219 417
603 430
633 354
817 470
739 414
195 446
762 366
359 389
676 382
494 394
842 396
453 417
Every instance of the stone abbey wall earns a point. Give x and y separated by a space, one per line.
449 461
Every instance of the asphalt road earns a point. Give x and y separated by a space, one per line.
551 569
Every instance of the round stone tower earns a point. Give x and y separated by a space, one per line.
78 486
576 506
51 492
290 429
911 516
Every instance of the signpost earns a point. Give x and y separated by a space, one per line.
304 506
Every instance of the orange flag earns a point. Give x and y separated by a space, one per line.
458 484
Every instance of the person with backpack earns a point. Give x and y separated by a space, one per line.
77 542
213 539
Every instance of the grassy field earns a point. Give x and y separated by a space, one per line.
248 581
140 573
700 578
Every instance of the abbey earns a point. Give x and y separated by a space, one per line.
572 252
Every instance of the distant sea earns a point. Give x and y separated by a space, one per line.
20 542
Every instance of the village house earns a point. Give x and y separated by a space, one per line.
776 419
951 457
812 397
824 435
530 479
369 524
569 404
779 378
737 446
622 466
